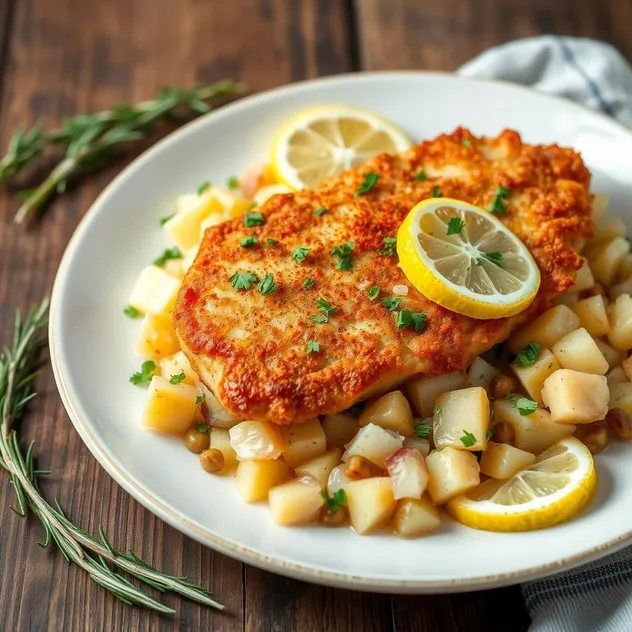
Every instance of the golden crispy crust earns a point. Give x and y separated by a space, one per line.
251 350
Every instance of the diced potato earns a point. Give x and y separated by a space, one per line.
593 315
416 517
320 467
373 443
451 472
218 415
213 220
576 397
296 502
624 271
621 397
481 373
339 429
617 375
303 441
578 351
606 261
620 336
337 480
613 356
568 298
186 202
174 268
501 460
169 408
234 205
257 440
461 419
624 287
533 433
424 391
157 337
609 226
220 440
391 411
371 503
175 365
546 329
155 291
255 478
189 258
265 193
184 226
532 377
584 278
626 365
408 472
600 203
423 445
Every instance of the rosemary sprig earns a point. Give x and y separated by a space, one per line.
19 365
90 139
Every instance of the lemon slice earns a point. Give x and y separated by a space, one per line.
323 141
466 260
555 488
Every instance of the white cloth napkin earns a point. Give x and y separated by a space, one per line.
596 597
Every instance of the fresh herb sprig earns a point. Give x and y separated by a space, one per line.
90 140
19 364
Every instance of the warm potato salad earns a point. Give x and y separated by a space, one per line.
462 440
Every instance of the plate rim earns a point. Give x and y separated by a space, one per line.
206 536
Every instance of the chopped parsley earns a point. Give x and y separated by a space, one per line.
199 400
321 210
166 218
455 226
373 292
466 142
131 312
343 256
267 284
335 502
493 257
167 255
421 176
300 253
147 370
271 242
490 434
242 280
308 283
233 182
468 439
176 379
529 355
252 205
253 219
436 191
203 187
526 406
249 241
370 180
202 428
422 430
313 347
407 319
391 302
438 411
389 247
326 309
498 205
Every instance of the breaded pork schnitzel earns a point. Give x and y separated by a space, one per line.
251 348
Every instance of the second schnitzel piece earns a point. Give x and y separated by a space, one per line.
282 327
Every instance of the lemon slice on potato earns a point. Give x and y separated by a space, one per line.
555 488
323 141
466 260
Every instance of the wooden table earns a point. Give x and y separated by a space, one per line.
60 57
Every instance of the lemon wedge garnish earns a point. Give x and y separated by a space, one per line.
466 260
555 488
320 142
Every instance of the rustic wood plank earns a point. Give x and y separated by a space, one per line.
429 35
72 56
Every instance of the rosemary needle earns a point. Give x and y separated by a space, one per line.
96 556
89 139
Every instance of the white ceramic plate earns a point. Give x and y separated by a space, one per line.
92 342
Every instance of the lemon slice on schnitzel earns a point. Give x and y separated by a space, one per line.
466 260
555 488
320 142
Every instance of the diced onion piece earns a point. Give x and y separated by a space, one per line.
169 408
546 329
371 503
155 291
296 502
256 440
218 415
337 480
451 472
423 445
408 472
